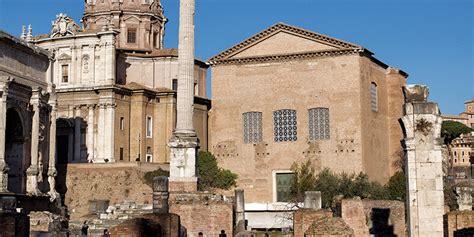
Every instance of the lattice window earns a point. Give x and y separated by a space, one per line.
252 127
285 127
283 186
318 123
132 36
373 97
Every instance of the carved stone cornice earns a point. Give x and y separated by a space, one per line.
286 57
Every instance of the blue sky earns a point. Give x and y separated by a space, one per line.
431 40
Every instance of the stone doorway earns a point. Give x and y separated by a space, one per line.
64 140
15 152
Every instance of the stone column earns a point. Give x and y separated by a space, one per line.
92 79
90 133
184 143
109 132
239 210
3 122
425 199
185 98
32 171
101 134
77 134
52 171
160 195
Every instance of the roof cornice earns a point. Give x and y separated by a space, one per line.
286 57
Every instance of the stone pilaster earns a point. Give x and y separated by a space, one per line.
109 131
77 133
90 133
32 171
239 210
425 199
3 121
101 134
160 195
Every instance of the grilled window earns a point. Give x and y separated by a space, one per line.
285 125
65 73
318 123
252 127
373 97
132 36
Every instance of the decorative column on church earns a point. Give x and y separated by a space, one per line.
32 171
184 142
3 122
52 171
77 134
90 133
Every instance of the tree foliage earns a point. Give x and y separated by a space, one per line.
148 177
332 185
452 129
211 175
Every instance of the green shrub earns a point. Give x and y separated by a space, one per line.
211 175
396 186
148 177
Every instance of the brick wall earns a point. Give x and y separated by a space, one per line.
203 212
14 225
304 218
459 223
166 225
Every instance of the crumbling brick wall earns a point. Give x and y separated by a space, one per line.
459 223
203 212
304 218
115 182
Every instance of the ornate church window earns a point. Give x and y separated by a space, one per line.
252 127
131 36
373 97
285 127
65 73
318 123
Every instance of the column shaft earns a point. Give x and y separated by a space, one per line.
90 133
77 134
185 97
52 171
32 171
3 123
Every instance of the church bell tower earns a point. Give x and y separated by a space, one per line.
141 22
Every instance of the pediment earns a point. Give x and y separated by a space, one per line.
282 39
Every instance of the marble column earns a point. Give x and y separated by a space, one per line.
101 134
52 171
32 171
425 198
185 97
77 134
3 121
90 133
184 143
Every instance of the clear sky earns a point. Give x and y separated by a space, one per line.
431 40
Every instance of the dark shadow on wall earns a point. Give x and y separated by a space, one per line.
380 226
466 232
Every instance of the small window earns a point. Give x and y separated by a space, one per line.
155 40
149 127
149 154
174 86
121 153
252 127
196 89
283 183
373 97
122 123
131 36
65 73
318 124
285 127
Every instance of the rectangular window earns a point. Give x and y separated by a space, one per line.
132 36
149 127
283 183
149 154
121 153
65 73
122 123
373 97
285 127
252 127
318 123
174 86
155 40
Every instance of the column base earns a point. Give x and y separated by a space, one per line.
187 185
4 178
32 181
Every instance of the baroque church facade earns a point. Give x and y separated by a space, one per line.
116 84
287 95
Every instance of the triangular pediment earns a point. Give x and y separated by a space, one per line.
282 39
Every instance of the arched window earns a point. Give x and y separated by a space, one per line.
252 127
285 125
318 119
373 97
